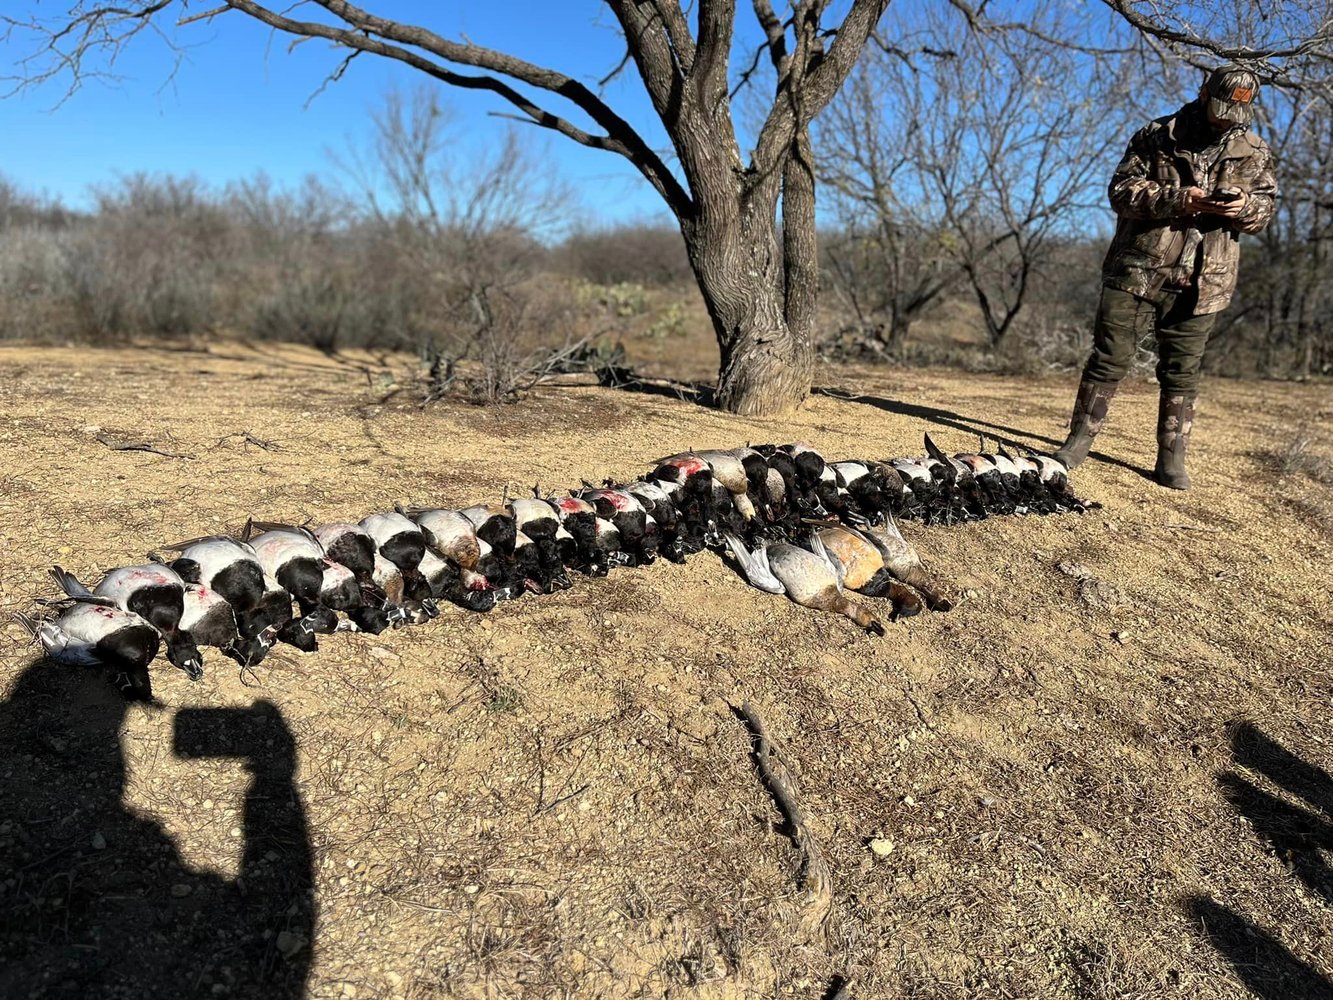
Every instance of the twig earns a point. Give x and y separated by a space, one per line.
813 875
920 712
248 438
115 445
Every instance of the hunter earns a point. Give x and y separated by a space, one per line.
1188 186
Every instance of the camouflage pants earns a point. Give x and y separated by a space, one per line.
1122 320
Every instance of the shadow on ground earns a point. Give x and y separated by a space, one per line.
95 900
1017 438
1014 437
1297 835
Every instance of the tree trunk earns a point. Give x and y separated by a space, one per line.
738 262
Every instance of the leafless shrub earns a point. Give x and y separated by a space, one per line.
635 254
1301 455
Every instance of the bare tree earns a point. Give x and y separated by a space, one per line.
758 273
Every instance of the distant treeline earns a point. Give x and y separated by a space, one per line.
171 257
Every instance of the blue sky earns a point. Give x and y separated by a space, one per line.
238 103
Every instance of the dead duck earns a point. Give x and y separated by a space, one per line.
365 612
804 469
637 530
225 565
101 635
154 592
862 569
902 560
656 501
873 488
400 541
211 621
453 537
808 576
579 518
348 545
688 480
495 525
538 520
293 557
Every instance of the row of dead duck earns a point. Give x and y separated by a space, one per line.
795 524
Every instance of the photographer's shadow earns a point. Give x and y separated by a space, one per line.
1298 834
95 900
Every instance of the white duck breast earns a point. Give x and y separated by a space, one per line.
534 517
75 636
215 555
436 572
90 635
911 469
849 472
1051 468
339 589
451 535
276 548
389 579
398 539
121 584
1006 466
208 618
387 526
295 560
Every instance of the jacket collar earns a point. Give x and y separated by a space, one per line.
1237 143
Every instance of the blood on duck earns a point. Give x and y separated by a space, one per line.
211 621
453 537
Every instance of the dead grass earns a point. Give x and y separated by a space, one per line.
556 800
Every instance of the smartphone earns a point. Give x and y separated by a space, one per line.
251 733
1224 195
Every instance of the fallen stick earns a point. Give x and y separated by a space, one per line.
115 445
813 875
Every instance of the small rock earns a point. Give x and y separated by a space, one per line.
1077 570
235 831
289 944
393 979
881 847
180 890
99 842
472 890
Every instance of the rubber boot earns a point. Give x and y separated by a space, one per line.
1090 407
1175 420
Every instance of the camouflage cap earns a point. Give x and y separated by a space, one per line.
1232 91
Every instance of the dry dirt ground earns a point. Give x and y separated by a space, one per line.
1106 780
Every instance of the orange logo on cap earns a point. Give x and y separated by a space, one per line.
1242 94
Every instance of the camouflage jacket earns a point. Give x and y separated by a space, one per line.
1155 242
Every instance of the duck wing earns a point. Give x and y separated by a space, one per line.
755 566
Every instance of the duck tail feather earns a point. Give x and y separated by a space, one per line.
28 624
69 583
